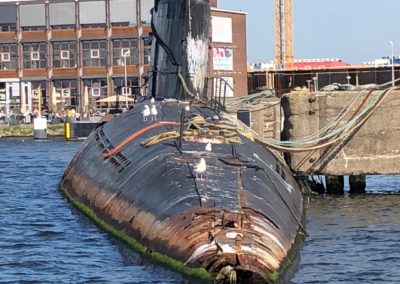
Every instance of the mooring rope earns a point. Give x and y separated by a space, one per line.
303 144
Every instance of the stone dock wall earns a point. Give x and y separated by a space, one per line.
26 130
373 148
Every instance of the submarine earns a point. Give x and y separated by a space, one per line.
177 180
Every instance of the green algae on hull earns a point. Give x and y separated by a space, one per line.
166 261
276 276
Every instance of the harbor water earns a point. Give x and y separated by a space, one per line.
43 239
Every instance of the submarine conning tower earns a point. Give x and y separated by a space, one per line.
180 47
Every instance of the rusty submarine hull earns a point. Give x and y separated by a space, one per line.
236 220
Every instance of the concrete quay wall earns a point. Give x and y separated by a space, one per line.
373 148
26 130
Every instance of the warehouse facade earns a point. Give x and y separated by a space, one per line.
71 53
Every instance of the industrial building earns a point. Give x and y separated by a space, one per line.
284 81
72 53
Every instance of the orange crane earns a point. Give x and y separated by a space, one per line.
284 54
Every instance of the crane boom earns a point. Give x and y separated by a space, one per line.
284 48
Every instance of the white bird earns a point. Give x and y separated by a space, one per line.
208 148
154 112
187 108
146 112
152 101
200 168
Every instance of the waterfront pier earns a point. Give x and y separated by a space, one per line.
370 146
338 133
361 130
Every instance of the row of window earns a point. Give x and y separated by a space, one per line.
124 51
92 13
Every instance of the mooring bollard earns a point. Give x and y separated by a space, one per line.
40 128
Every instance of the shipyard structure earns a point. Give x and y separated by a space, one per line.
61 54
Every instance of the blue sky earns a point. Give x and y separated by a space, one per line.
352 30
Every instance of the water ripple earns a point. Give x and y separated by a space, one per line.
43 239
352 239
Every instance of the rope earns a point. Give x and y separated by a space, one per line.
129 139
232 126
228 137
288 146
235 104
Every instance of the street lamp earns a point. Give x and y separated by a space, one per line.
315 83
348 77
126 53
309 85
391 43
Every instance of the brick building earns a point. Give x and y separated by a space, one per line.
71 53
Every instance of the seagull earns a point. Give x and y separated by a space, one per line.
187 108
146 112
154 112
200 168
152 101
208 148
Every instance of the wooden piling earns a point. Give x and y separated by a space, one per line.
357 184
334 185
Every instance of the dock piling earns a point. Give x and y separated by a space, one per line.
357 184
334 185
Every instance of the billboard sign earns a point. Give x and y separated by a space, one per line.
222 29
223 58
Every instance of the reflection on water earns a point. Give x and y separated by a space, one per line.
44 240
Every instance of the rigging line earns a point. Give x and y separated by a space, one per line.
349 124
164 46
272 144
344 135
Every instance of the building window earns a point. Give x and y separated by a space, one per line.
96 92
92 14
122 46
34 28
94 53
8 58
34 55
66 92
132 86
8 28
95 89
64 54
125 52
62 15
5 57
147 49
123 13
